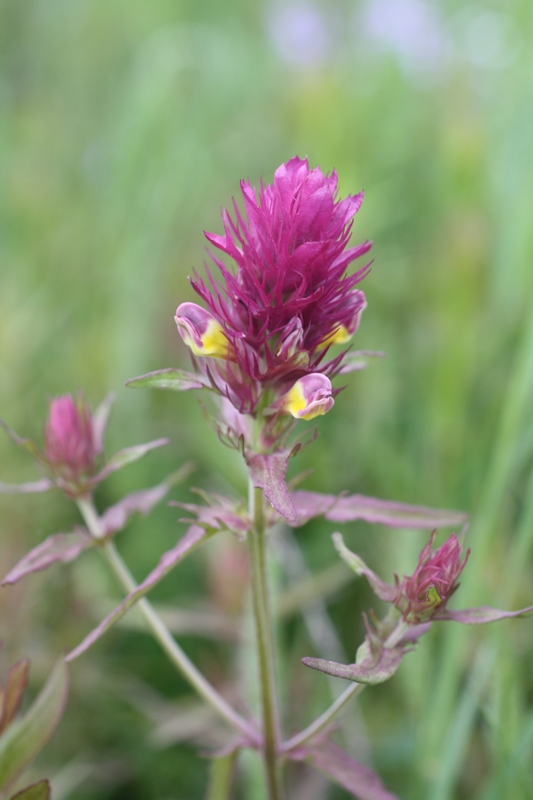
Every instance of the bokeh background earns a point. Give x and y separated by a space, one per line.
126 126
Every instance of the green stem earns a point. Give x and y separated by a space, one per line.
265 645
161 633
322 722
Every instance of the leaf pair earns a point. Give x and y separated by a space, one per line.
66 547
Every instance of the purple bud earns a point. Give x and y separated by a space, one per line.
201 331
70 446
433 582
309 397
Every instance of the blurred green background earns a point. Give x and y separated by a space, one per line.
126 126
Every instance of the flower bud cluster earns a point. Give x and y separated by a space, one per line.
433 582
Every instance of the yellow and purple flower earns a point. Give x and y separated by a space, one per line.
201 331
309 397
273 315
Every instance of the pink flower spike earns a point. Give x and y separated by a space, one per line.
426 592
70 443
201 331
283 294
309 397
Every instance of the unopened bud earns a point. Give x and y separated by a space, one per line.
433 582
69 436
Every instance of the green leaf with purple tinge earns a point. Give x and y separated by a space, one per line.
26 737
27 444
177 380
480 615
347 508
37 791
219 513
395 515
114 518
127 456
371 670
100 419
267 472
61 547
34 487
194 537
309 505
357 360
340 767
380 588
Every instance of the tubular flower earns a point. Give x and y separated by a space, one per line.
433 582
274 313
70 441
201 331
309 397
343 333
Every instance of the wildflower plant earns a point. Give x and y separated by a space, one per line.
271 342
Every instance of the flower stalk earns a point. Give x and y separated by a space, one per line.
322 722
265 645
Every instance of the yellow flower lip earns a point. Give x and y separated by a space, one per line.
342 334
201 331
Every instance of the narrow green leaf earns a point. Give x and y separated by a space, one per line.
127 456
37 791
28 444
221 776
34 487
16 683
101 418
177 380
26 737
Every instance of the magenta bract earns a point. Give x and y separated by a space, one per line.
287 296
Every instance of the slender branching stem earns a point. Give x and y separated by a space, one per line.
325 719
161 633
265 645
